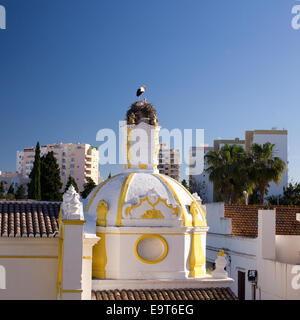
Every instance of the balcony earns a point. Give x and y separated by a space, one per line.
88 159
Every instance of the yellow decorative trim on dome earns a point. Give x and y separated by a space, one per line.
151 236
152 214
156 148
99 188
203 214
186 221
122 197
102 209
143 166
197 257
153 205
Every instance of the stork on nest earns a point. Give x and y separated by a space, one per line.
140 92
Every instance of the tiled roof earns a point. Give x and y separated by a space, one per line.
165 294
245 219
28 218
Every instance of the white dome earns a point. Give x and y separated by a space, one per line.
135 199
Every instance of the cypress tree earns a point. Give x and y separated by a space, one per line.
50 178
88 187
10 193
21 193
2 190
34 186
71 181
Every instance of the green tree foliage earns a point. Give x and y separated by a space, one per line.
21 193
184 183
233 171
71 181
228 170
88 187
10 193
291 196
34 186
265 167
50 178
2 196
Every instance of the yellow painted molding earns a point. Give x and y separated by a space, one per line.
143 166
122 197
99 188
60 260
28 257
71 291
59 216
197 257
99 257
186 221
102 209
87 258
129 131
74 222
151 236
166 234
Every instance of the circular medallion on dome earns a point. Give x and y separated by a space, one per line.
151 248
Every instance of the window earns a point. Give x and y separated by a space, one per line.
72 160
72 166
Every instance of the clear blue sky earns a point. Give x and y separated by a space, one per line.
71 67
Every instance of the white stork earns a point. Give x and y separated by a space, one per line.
140 91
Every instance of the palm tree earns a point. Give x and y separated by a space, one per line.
265 167
228 171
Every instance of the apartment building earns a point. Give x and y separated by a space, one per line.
277 137
79 160
219 143
13 178
169 161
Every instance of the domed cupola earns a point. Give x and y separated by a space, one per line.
150 226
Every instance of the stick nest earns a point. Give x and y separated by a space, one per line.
139 110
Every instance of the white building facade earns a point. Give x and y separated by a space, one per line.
267 247
79 160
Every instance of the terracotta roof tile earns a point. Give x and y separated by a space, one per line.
166 294
28 218
245 219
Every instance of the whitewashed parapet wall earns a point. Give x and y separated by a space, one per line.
75 256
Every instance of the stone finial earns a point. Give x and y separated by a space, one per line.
219 272
197 197
72 207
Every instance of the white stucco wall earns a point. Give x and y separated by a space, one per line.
122 262
275 281
288 249
241 256
33 277
241 252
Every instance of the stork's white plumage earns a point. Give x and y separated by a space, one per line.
140 91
